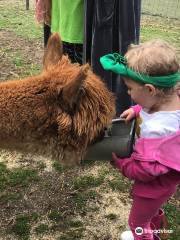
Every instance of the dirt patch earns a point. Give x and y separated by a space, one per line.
15 49
54 192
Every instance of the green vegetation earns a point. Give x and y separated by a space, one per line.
55 216
158 27
80 199
75 223
111 216
173 215
42 228
84 187
10 197
32 70
14 17
118 182
165 8
21 227
58 167
22 177
16 20
86 182
75 234
17 177
18 61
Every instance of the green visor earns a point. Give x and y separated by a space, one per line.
118 64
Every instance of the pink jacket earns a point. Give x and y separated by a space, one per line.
154 165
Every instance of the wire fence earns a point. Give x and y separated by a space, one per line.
164 8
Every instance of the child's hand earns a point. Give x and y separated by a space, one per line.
178 89
128 114
114 160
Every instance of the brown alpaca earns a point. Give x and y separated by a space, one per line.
58 112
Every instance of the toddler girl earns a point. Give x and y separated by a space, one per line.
150 71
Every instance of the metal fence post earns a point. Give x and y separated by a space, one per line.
27 4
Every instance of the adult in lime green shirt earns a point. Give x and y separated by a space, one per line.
67 19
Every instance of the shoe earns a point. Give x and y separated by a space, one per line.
127 235
156 237
160 222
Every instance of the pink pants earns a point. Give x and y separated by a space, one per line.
141 214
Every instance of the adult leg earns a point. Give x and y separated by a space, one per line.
78 53
47 33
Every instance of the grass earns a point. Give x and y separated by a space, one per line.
85 191
59 167
10 197
18 61
75 223
32 70
21 177
166 8
71 228
17 20
85 182
157 27
22 66
42 228
14 17
72 235
16 178
119 185
55 216
173 215
22 226
80 200
111 216
27 69
117 182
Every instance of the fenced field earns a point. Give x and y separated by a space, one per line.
41 200
164 8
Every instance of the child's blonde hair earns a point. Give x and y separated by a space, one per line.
154 58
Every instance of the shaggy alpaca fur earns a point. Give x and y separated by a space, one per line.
60 111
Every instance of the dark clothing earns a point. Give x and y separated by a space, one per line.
74 51
110 26
47 33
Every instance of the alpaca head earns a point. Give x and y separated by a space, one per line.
85 105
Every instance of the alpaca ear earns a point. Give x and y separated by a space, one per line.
71 92
53 52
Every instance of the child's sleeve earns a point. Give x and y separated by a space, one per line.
140 170
136 108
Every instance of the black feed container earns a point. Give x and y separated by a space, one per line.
118 139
